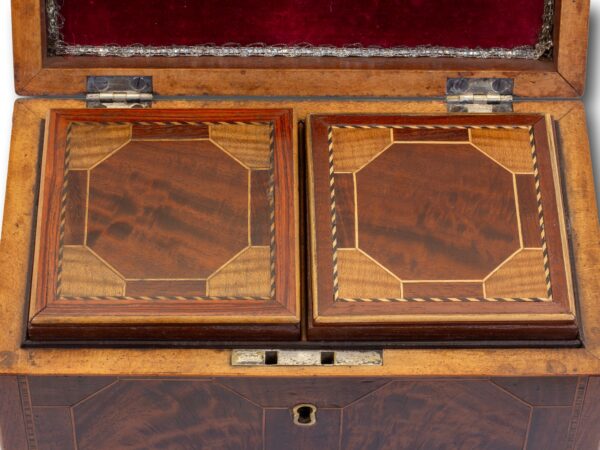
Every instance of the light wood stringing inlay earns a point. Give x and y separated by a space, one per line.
509 147
248 143
84 274
521 276
361 277
248 274
356 147
90 143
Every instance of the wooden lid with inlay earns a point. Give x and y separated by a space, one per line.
169 225
438 227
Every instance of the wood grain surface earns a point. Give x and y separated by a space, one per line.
470 414
587 434
53 428
184 219
245 142
260 230
428 135
248 274
530 413
522 275
17 241
167 288
528 210
178 413
442 289
355 148
345 210
90 144
362 277
84 274
435 213
510 148
76 207
281 431
12 422
168 209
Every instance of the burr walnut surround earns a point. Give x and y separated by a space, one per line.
444 221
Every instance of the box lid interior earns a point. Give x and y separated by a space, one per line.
305 28
242 43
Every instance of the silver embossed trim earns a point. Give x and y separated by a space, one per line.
57 46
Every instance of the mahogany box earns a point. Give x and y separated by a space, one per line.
299 225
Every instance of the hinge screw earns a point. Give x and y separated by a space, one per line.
458 86
138 84
501 86
101 84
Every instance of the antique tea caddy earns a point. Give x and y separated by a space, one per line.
300 225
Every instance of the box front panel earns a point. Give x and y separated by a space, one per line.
554 413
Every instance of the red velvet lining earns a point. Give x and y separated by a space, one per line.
386 23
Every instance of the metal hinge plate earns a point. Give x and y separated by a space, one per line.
483 95
119 92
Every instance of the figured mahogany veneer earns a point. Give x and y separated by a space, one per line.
178 218
451 223
355 413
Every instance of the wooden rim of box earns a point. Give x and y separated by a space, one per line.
16 247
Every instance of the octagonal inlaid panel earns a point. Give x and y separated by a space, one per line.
351 412
446 213
453 216
434 411
436 212
168 209
167 224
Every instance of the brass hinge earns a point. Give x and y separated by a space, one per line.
483 95
119 92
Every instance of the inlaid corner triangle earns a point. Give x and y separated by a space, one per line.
248 143
522 276
90 143
361 277
85 275
247 275
510 148
355 147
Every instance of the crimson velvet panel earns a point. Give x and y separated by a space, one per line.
384 23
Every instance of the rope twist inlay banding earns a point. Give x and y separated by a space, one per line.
336 289
271 199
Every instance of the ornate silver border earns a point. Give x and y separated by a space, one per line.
58 47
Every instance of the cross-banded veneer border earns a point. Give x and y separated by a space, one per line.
332 199
271 201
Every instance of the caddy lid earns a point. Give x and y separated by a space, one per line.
309 48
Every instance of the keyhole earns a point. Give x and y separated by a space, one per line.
305 414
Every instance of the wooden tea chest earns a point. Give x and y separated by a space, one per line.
391 245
